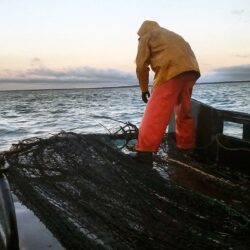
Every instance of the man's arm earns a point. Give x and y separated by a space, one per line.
142 64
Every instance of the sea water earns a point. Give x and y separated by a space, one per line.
25 114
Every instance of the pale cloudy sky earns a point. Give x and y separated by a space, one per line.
78 43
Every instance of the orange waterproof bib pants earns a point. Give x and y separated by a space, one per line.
174 95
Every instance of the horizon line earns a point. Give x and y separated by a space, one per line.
111 87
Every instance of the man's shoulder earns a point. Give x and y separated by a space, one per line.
164 31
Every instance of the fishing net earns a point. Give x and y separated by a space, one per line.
92 195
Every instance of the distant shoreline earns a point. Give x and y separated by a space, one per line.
223 82
113 87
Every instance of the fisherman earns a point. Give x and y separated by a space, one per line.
176 70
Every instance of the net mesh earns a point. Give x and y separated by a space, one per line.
93 196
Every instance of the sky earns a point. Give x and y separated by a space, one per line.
93 43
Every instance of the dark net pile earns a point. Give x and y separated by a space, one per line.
93 196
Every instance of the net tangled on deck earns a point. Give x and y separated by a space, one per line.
92 196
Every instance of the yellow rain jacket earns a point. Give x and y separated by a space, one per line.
167 53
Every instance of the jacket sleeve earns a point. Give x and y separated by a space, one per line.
142 64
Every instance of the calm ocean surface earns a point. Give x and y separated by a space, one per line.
25 114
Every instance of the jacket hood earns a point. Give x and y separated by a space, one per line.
147 26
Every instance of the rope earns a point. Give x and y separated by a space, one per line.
206 175
219 143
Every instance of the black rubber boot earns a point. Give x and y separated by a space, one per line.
143 157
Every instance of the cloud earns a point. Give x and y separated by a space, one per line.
238 12
242 15
88 77
81 76
223 74
242 55
36 62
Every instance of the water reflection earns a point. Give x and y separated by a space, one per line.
33 235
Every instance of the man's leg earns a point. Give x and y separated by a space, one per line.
157 115
185 125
